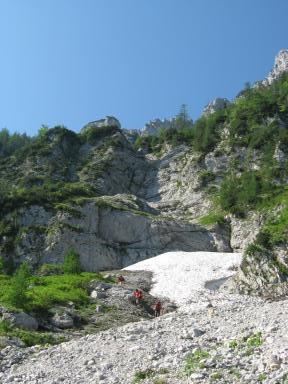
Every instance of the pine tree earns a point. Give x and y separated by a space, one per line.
19 286
182 119
72 263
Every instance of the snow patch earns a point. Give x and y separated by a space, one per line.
187 277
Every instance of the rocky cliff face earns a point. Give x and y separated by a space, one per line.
137 211
142 206
263 273
108 232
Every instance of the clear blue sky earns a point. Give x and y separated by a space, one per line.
72 61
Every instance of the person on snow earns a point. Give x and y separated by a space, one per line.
157 308
120 279
138 296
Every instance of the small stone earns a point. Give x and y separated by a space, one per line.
274 366
198 332
98 295
197 376
106 366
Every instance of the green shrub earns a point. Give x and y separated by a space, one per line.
1 265
254 340
206 131
159 380
72 263
262 377
37 338
17 295
206 177
238 194
254 249
5 327
228 193
148 374
50 269
192 361
215 376
212 219
47 194
233 344
247 344
47 291
142 375
93 134
9 265
29 338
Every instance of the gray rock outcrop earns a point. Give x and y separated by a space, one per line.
109 235
62 320
280 66
108 121
154 126
215 105
21 320
262 272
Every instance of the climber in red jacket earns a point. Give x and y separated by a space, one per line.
138 296
157 308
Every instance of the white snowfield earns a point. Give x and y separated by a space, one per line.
183 276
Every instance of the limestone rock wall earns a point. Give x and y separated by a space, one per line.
106 237
262 273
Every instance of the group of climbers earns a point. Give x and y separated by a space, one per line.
137 295
157 306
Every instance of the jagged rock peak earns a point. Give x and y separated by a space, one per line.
280 66
108 121
153 126
131 134
215 105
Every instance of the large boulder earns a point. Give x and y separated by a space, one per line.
6 341
21 320
62 320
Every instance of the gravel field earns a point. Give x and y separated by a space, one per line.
213 337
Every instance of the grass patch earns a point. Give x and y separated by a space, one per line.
211 219
205 177
29 338
159 380
247 344
215 376
148 374
193 361
262 377
46 291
